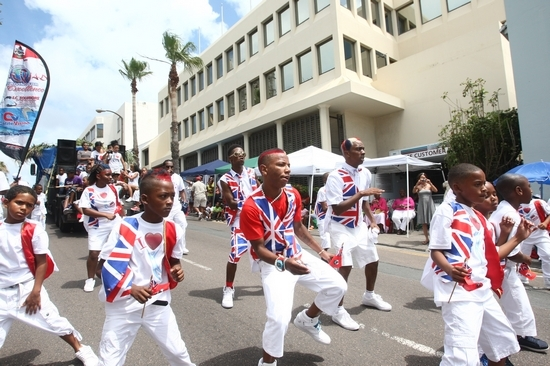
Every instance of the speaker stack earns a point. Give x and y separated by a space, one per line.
66 154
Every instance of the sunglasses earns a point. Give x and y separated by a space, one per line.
238 155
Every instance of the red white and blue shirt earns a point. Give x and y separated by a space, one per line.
241 186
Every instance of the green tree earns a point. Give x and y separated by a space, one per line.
177 53
3 167
490 140
134 71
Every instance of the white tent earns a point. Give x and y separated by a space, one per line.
313 161
399 164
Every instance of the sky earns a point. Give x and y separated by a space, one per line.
83 43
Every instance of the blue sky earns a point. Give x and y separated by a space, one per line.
83 43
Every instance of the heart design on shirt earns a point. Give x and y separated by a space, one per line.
103 195
153 240
526 209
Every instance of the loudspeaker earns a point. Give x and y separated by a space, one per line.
66 152
122 150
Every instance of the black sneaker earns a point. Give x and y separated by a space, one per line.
533 344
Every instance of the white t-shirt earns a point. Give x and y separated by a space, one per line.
97 156
529 212
177 181
146 260
440 239
13 265
115 162
61 178
505 209
135 180
99 199
40 207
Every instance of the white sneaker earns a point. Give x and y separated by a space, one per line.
343 319
89 285
87 356
185 251
262 363
227 300
523 279
375 301
311 327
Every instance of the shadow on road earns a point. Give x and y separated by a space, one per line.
413 360
78 284
422 303
27 357
251 355
216 293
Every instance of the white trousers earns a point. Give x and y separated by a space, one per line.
47 318
120 330
543 250
401 218
279 296
379 218
468 324
516 304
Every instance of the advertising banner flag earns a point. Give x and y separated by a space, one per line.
24 96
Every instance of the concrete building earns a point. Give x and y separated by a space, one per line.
109 126
294 73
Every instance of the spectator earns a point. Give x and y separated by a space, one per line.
83 156
97 154
198 192
73 184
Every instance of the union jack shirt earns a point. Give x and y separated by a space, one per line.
321 197
241 186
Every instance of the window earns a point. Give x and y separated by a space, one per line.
270 84
284 21
375 9
346 4
380 60
241 51
305 65
221 110
179 131
287 73
193 124
325 54
166 106
361 8
178 95
118 125
253 42
92 133
405 19
186 127
219 67
209 74
269 32
321 4
366 64
99 128
242 98
389 23
255 90
161 108
349 54
193 82
229 58
230 104
185 91
200 76
302 11
201 120
429 10
210 115
145 154
455 4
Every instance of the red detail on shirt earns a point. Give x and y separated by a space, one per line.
27 232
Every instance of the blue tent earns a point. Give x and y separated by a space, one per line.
209 169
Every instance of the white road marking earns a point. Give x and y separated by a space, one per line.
196 264
406 342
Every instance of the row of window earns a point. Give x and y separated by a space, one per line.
305 64
95 132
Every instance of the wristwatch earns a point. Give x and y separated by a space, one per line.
280 263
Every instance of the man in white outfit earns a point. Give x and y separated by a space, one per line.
177 214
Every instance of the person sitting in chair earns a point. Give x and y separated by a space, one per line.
403 212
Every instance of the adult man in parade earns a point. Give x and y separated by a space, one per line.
176 214
236 185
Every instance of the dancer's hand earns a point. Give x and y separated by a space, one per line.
141 293
296 267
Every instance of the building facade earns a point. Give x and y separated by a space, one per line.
294 73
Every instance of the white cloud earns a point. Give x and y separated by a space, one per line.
242 7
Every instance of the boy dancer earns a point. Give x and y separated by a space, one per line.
515 190
347 195
140 264
176 214
271 220
465 268
236 185
321 207
25 262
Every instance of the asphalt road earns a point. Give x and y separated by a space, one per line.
411 334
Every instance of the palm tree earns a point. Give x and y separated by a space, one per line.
134 71
36 151
3 167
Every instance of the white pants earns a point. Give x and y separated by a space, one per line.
179 218
120 330
379 218
40 217
468 324
516 304
358 250
543 250
401 218
47 318
279 295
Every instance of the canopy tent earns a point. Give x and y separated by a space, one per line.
249 163
399 164
313 161
209 168
537 172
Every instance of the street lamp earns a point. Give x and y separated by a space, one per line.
121 122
